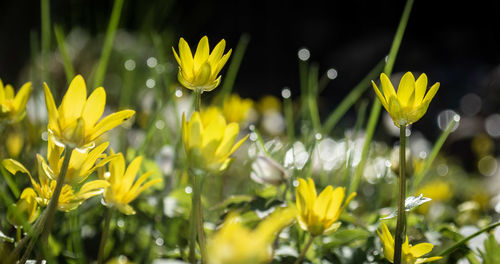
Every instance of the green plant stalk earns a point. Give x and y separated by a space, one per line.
75 236
196 222
375 111
455 246
48 219
290 127
105 233
199 222
304 250
434 152
401 220
351 98
303 74
312 98
108 43
45 17
68 67
232 71
197 99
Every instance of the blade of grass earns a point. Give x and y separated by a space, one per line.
10 182
351 98
288 110
312 97
232 71
375 111
61 43
303 75
434 152
45 17
453 247
108 43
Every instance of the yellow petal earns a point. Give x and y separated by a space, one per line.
334 210
221 63
420 87
387 87
203 75
195 130
14 166
202 53
212 135
177 57
2 92
186 58
9 92
116 170
420 249
230 134
406 88
51 109
323 203
125 208
431 93
216 54
425 260
184 81
22 96
74 100
130 173
94 107
212 85
237 145
91 187
142 188
110 122
381 98
396 112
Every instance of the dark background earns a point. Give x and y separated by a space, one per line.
454 42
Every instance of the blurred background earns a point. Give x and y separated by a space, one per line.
455 44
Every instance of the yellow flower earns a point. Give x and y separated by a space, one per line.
200 71
43 190
12 108
236 109
410 254
209 141
26 206
81 164
319 214
235 243
269 104
14 143
122 189
74 123
409 104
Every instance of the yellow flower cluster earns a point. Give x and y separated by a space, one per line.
12 107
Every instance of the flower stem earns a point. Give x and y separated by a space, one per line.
304 250
105 233
197 99
196 225
401 220
48 218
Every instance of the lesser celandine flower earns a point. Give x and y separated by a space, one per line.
81 164
123 188
235 243
201 71
236 109
408 105
410 254
26 206
75 122
319 214
209 141
68 200
12 107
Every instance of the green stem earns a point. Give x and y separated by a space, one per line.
464 240
401 220
288 109
108 43
48 218
199 222
434 152
105 233
68 67
304 250
18 234
192 230
197 99
312 97
45 17
196 224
